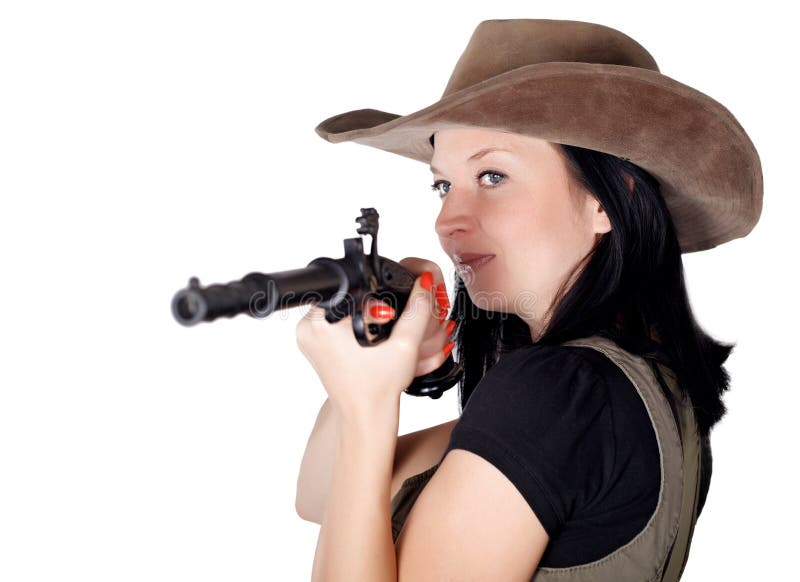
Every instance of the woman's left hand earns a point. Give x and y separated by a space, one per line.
362 380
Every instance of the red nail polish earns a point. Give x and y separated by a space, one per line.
426 280
448 348
381 311
451 325
441 296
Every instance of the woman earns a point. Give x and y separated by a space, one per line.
580 174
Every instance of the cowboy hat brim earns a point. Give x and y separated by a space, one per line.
709 170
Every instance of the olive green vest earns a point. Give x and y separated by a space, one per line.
660 550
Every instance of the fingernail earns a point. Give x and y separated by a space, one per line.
448 348
441 296
381 311
451 325
426 280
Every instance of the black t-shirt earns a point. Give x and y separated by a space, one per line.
568 428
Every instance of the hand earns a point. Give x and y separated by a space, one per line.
438 332
362 380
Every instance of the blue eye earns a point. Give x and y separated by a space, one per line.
437 183
435 186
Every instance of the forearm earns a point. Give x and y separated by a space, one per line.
316 469
355 540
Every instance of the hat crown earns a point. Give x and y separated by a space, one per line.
499 46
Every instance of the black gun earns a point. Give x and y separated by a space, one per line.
340 286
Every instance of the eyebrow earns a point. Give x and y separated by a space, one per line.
479 154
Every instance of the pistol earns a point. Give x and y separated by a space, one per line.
341 287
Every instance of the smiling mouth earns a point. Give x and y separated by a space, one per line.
467 269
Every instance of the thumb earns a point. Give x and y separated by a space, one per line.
412 325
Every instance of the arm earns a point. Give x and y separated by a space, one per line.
469 523
355 539
415 452
316 468
493 531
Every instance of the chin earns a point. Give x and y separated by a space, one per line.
492 299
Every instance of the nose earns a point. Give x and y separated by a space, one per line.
457 218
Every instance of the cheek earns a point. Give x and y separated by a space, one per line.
542 247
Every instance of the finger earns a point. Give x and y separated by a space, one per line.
378 311
443 300
428 365
418 266
306 327
434 340
434 352
420 309
315 314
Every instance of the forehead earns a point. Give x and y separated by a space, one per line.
464 145
466 136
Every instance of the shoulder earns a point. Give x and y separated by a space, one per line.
558 421
555 397
541 392
540 380
532 364
543 417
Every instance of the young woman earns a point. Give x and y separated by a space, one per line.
572 176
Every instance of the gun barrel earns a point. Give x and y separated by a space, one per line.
257 294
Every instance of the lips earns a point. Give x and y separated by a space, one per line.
468 268
476 264
469 257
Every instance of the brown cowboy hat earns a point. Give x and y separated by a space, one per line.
592 86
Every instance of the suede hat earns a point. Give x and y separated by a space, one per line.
588 85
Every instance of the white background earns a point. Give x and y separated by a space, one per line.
142 143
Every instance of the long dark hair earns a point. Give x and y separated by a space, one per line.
630 288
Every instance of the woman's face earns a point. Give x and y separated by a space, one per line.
518 205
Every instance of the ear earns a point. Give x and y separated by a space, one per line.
600 221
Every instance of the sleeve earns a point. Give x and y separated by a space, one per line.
542 418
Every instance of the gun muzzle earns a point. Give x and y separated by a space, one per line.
259 294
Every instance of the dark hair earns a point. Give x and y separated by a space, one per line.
630 288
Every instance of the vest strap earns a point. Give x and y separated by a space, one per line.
692 465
